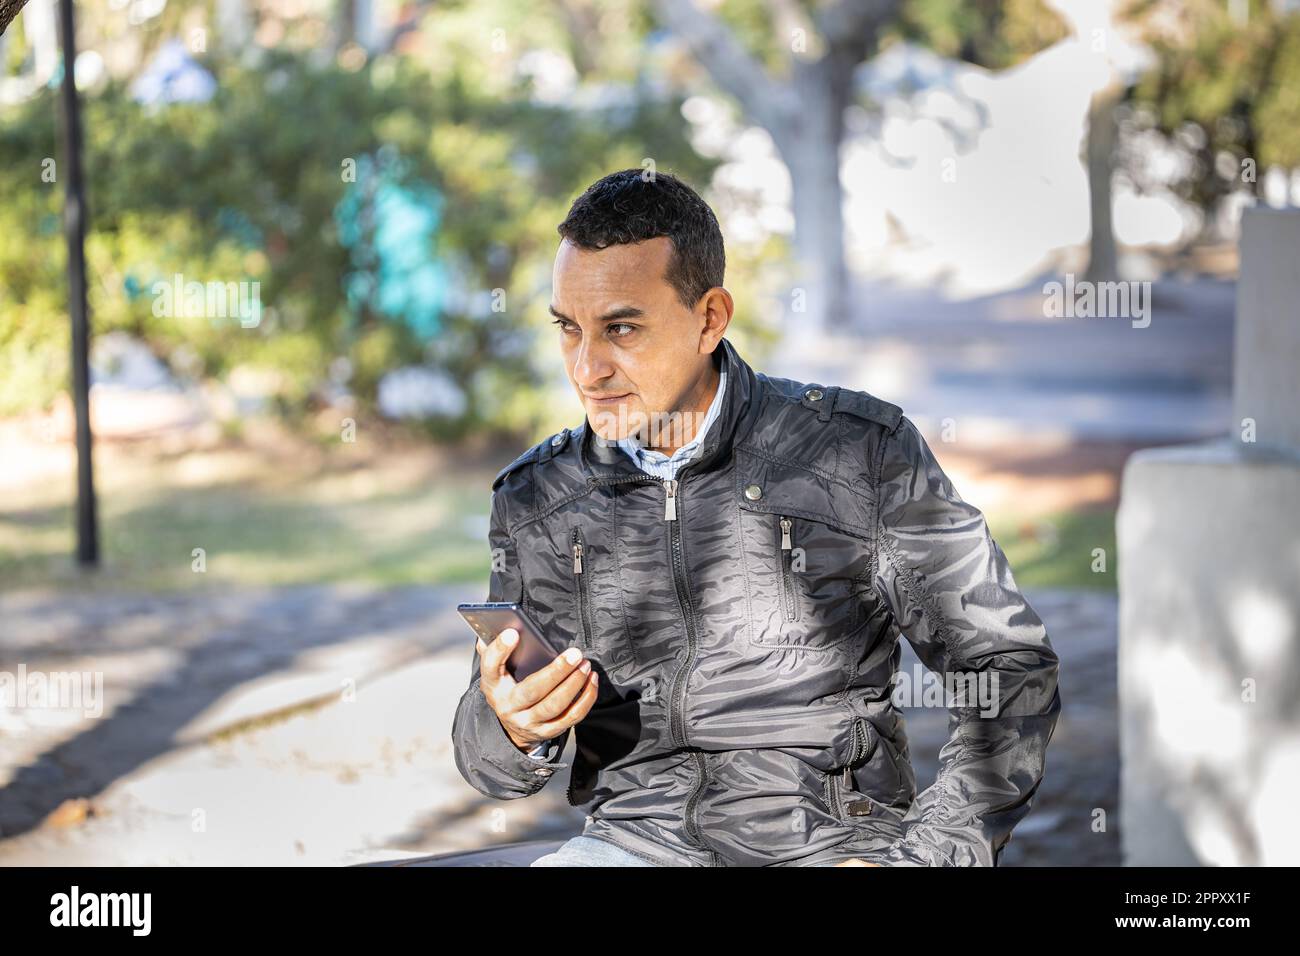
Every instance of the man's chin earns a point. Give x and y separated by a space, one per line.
613 424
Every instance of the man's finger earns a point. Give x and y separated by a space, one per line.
492 660
575 711
559 699
534 688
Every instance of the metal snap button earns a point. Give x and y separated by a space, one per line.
543 772
558 440
813 394
753 492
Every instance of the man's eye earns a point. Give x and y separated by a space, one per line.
622 325
564 326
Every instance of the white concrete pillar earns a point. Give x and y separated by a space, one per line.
1209 565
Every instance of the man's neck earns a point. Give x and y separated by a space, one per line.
691 415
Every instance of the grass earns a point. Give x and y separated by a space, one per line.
1058 550
384 521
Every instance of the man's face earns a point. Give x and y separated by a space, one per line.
631 349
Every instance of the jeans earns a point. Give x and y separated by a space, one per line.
588 851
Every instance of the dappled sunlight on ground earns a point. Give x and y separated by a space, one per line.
275 509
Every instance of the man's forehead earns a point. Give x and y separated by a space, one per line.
602 281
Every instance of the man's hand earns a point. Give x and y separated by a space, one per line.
542 705
856 862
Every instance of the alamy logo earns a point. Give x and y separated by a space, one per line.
966 689
179 299
51 690
650 429
102 909
1085 299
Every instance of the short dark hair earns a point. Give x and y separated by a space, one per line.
625 208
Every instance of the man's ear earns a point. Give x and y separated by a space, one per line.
716 307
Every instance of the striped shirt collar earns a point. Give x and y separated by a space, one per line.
664 466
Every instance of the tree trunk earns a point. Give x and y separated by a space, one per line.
345 27
234 25
811 151
805 118
1102 134
8 10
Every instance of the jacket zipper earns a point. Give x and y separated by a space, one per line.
583 602
676 713
580 579
833 787
677 693
787 579
672 494
841 783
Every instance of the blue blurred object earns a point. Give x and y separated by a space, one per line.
173 76
233 222
389 226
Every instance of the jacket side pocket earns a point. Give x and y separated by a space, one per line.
847 803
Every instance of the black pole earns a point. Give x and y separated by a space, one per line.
74 227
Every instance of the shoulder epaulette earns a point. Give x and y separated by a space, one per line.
541 452
826 400
865 405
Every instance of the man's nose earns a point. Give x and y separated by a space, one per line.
593 365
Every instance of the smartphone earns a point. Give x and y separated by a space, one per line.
531 654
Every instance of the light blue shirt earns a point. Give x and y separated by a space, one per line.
663 466
666 466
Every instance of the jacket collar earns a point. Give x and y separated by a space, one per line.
739 410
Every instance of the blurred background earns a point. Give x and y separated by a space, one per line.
293 474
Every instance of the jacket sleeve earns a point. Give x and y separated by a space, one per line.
951 592
485 755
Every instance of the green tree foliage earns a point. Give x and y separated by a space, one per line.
1226 92
994 34
245 187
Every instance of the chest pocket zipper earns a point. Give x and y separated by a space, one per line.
580 588
789 596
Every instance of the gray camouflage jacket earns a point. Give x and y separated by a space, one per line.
744 620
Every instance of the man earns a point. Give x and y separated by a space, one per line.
733 557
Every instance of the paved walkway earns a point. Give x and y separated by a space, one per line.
311 726
996 365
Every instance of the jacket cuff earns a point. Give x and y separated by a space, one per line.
500 751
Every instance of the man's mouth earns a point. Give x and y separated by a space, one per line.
609 399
